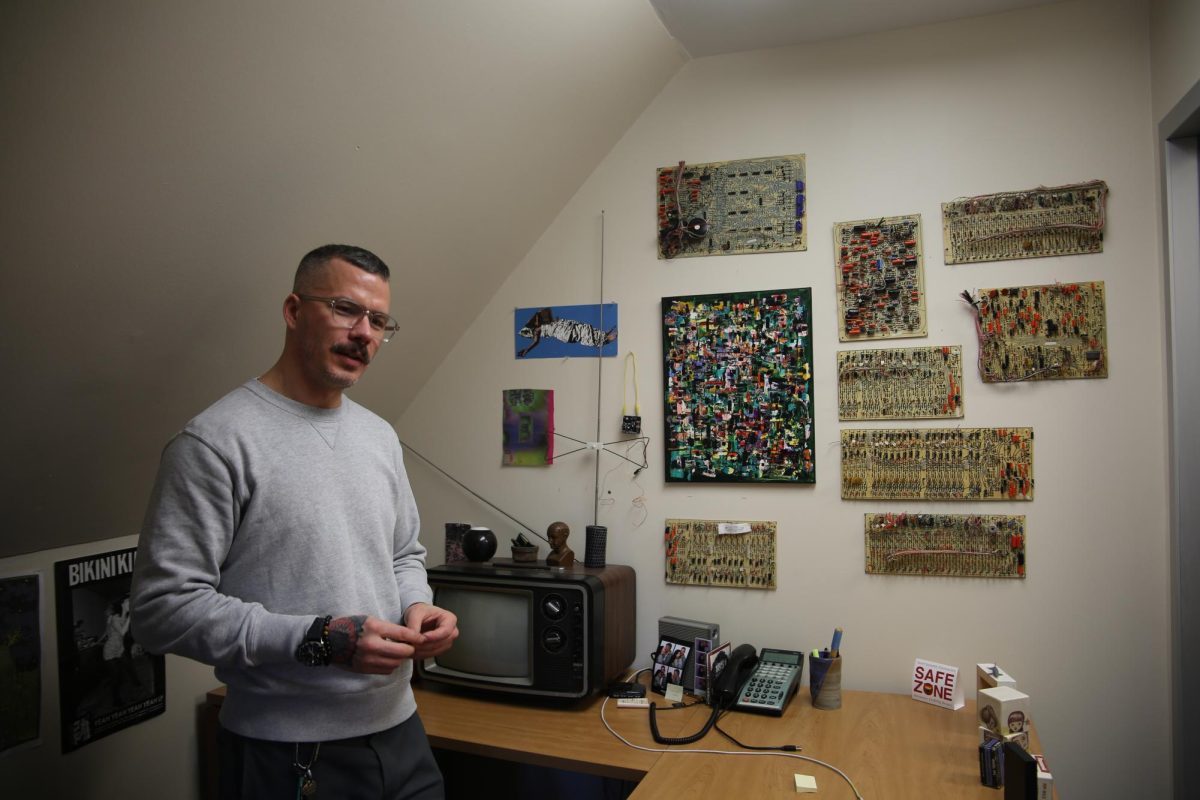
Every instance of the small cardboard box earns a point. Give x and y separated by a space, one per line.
986 734
989 676
1045 781
1004 710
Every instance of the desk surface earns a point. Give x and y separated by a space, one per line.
890 745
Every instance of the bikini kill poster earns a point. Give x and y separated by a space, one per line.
106 680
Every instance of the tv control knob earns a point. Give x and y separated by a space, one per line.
554 607
553 639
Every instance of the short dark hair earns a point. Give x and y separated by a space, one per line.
316 260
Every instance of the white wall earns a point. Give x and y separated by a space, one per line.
1174 51
891 124
155 759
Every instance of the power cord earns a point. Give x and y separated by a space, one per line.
783 748
707 751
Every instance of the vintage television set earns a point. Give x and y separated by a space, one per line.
535 630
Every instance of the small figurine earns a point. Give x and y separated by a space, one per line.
560 554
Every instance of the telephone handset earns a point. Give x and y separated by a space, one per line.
732 675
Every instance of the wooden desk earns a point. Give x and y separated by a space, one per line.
568 737
890 745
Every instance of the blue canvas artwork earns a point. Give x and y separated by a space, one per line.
586 331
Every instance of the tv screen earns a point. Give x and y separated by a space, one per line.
493 631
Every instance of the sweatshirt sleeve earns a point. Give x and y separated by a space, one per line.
177 606
408 561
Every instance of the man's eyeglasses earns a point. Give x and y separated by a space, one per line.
347 313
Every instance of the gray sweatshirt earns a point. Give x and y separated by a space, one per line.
267 513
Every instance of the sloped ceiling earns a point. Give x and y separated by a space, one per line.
165 164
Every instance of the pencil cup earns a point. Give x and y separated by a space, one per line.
825 682
594 544
454 538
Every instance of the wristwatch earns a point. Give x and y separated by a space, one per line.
314 650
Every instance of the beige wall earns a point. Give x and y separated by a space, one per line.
891 124
1174 51
163 167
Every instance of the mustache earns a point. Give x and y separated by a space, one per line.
353 350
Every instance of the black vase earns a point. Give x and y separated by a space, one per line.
479 544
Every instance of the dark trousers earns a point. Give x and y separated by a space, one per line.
396 764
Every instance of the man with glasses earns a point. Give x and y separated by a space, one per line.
280 546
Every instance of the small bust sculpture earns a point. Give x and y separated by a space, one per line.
560 554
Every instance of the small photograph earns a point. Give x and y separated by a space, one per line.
701 685
717 659
701 670
703 645
675 677
658 683
679 656
663 656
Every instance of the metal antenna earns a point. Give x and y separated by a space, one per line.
599 378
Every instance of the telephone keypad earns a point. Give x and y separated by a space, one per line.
772 684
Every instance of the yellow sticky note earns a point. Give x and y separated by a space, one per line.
805 783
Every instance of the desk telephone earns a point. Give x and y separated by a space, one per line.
747 681
762 683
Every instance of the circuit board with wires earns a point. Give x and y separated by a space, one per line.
702 552
900 383
1035 333
732 207
1046 221
953 545
880 278
938 464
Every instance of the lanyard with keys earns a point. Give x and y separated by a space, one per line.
306 785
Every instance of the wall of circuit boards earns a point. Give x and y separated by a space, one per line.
903 383
956 545
702 552
738 366
880 278
731 207
738 378
1057 221
938 464
1046 332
